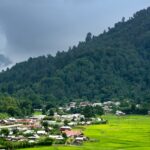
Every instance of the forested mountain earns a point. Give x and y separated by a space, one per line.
113 65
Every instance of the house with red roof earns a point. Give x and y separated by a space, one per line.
73 133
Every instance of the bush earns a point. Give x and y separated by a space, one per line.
60 141
45 142
25 144
14 145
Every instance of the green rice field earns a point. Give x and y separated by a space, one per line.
121 133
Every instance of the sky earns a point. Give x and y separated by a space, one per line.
30 28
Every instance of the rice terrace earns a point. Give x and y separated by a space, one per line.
121 133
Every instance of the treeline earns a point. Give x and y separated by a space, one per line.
9 145
113 65
135 108
14 107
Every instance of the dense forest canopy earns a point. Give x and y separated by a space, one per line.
113 65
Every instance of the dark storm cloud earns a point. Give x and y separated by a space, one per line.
36 27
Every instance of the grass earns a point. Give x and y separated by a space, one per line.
121 133
36 113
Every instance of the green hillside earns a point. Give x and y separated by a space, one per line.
113 65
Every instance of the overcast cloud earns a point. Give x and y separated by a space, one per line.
37 27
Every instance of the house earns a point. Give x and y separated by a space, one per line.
108 103
31 141
38 117
22 129
34 137
83 104
82 123
33 126
72 133
120 113
56 116
28 132
15 126
65 128
117 103
51 122
72 123
41 132
88 122
13 120
3 122
60 108
72 104
107 109
80 139
97 104
56 137
14 138
71 117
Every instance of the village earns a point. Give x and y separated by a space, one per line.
63 129
59 128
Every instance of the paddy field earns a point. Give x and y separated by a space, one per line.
121 133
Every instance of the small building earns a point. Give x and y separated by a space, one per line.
41 132
12 120
80 139
84 104
120 113
65 128
72 104
72 123
88 122
82 123
97 104
73 133
29 132
34 137
56 137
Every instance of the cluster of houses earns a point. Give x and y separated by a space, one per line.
58 127
21 129
107 106
31 129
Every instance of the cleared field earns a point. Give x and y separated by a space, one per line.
36 113
121 133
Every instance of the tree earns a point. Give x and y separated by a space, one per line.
51 112
123 19
64 135
45 125
66 122
88 112
98 110
13 111
15 131
45 141
4 131
88 37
